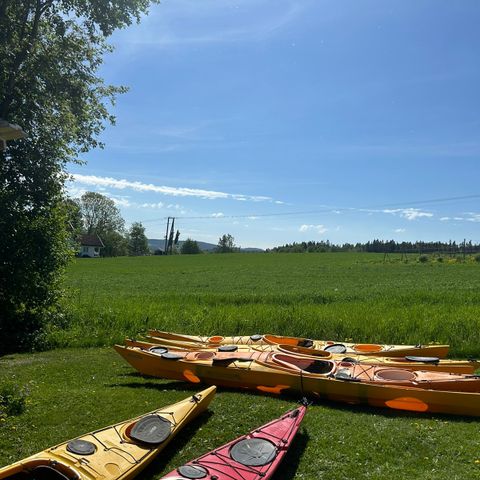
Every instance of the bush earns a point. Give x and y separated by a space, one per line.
440 259
190 247
423 258
12 399
477 258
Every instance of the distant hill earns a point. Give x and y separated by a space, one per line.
155 244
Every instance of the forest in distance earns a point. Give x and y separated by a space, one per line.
381 246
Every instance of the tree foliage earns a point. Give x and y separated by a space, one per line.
50 53
101 216
226 244
137 240
190 247
379 246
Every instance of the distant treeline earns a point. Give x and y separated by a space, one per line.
380 246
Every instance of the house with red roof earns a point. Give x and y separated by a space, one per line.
90 246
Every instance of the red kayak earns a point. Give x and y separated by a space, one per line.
253 456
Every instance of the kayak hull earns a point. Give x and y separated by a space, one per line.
223 464
433 364
115 455
257 376
434 350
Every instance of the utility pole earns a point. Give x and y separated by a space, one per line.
169 234
170 238
165 248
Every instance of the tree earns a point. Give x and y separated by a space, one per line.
137 240
101 216
50 52
190 247
226 244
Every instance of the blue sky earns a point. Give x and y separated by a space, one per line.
283 120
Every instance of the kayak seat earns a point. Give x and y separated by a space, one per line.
310 365
42 472
199 356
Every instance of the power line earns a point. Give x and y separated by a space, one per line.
323 209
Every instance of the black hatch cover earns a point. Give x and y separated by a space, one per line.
158 350
336 348
227 348
81 447
413 358
253 452
151 429
192 471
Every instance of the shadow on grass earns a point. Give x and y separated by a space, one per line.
289 466
295 396
178 443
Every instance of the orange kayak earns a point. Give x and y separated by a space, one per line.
434 364
275 372
331 346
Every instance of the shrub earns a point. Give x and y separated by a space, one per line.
477 258
423 258
12 399
190 246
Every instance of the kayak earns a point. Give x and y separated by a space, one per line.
280 373
254 456
412 362
434 350
120 451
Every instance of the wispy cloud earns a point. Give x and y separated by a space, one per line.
467 217
399 230
320 229
408 213
196 23
122 184
217 215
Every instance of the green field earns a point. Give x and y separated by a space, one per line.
340 296
328 296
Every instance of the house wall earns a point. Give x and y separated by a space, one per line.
87 251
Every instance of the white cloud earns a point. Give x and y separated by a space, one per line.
121 202
122 184
217 215
473 217
399 230
408 213
444 219
152 205
320 229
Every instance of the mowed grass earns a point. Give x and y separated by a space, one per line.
340 296
336 296
78 390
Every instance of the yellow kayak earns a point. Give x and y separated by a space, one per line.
439 351
277 373
120 451
433 364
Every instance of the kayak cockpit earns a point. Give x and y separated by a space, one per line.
36 470
309 365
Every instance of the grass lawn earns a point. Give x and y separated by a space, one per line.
340 296
77 390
